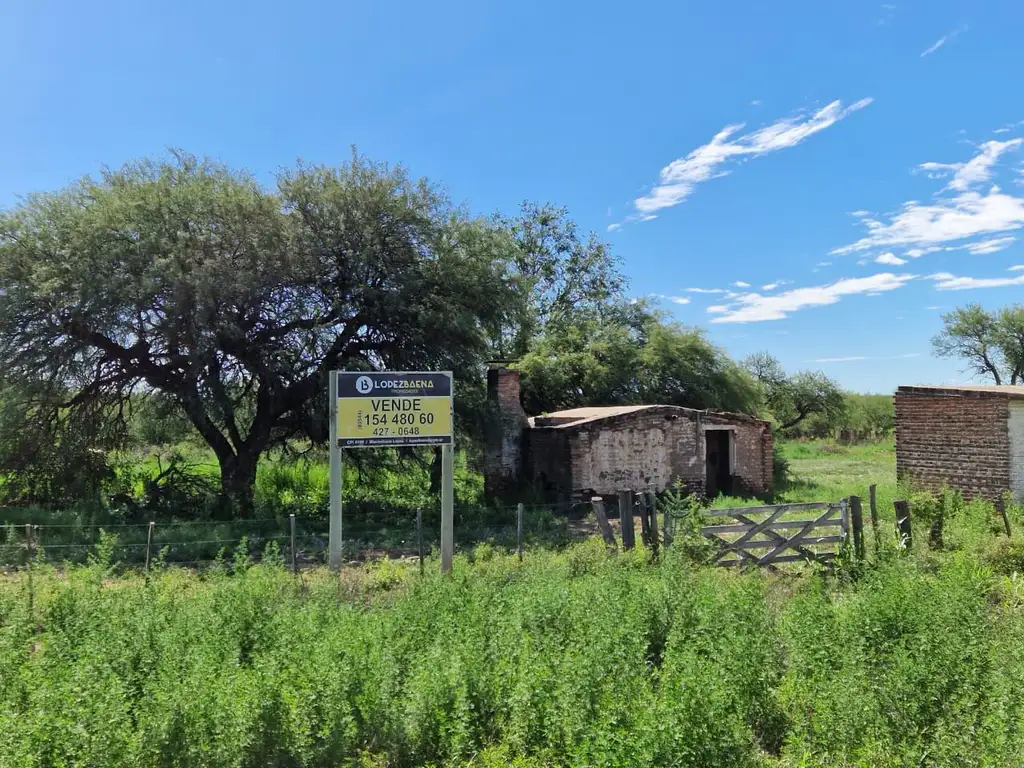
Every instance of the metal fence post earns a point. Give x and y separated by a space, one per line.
872 499
520 513
419 536
149 542
295 559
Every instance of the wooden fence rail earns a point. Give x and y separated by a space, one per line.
747 531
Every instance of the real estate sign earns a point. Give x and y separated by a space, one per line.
391 409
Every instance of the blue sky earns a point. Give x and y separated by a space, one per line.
837 173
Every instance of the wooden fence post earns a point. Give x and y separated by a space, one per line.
1001 506
903 530
295 557
419 536
652 510
872 498
520 512
645 523
667 527
602 522
626 519
149 542
857 521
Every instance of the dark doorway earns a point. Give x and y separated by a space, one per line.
718 470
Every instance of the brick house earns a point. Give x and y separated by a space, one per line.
970 439
575 454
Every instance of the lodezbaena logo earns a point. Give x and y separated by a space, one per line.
365 385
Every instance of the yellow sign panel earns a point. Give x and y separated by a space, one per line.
382 409
401 420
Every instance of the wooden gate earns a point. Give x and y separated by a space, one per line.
764 536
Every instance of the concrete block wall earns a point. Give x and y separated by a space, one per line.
953 438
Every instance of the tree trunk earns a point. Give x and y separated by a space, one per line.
238 484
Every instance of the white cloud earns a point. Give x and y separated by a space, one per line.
933 308
756 103
890 259
741 284
860 214
704 290
943 40
680 178
673 299
916 253
976 170
990 246
1002 130
613 227
854 358
944 281
1017 268
967 215
754 308
717 309
823 264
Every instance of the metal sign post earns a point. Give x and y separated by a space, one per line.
391 409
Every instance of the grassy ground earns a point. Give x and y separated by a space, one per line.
574 657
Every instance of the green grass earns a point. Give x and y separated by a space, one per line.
575 658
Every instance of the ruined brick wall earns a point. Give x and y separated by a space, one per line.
753 469
958 439
503 459
658 447
548 465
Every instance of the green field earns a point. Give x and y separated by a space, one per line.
574 657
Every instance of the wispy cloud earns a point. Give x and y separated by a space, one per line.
674 299
681 177
891 259
947 38
1017 268
944 281
856 358
967 214
755 307
976 170
704 290
756 103
990 246
741 284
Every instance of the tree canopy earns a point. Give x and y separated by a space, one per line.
991 343
629 354
793 398
189 279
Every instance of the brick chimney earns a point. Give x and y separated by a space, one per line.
503 463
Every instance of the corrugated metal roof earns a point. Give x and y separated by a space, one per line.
573 417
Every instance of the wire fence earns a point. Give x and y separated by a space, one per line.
299 540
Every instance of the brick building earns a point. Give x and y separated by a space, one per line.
579 453
969 439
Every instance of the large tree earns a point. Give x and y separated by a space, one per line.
973 334
565 277
233 301
627 354
793 398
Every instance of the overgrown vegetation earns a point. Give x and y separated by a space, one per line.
573 658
